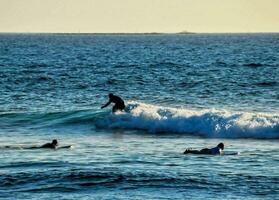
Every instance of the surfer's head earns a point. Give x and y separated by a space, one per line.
110 95
221 146
54 142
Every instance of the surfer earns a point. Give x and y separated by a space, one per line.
52 145
119 103
213 151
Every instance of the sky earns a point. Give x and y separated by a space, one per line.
136 16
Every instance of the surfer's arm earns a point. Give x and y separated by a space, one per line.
106 104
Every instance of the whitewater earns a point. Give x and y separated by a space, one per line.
207 123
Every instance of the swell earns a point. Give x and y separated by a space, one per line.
31 164
83 179
209 123
40 120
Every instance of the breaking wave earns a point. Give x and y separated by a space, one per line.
209 123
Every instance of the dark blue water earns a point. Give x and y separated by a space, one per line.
180 90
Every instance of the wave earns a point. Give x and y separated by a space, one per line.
253 65
40 120
73 180
59 180
267 83
209 123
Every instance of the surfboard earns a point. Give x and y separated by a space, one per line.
224 153
230 153
65 147
33 147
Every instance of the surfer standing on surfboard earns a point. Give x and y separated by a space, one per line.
119 103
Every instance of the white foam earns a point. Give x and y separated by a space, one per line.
208 122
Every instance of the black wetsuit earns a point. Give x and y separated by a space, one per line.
119 103
213 151
48 145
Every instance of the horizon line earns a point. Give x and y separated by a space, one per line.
137 33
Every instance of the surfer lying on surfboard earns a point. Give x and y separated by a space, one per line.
119 103
52 145
218 150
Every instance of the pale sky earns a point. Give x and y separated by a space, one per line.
139 16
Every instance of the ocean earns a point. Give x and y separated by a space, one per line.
180 90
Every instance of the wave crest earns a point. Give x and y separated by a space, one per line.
210 123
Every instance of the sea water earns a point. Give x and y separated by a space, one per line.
180 91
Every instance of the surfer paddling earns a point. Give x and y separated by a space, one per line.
119 103
213 151
52 145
